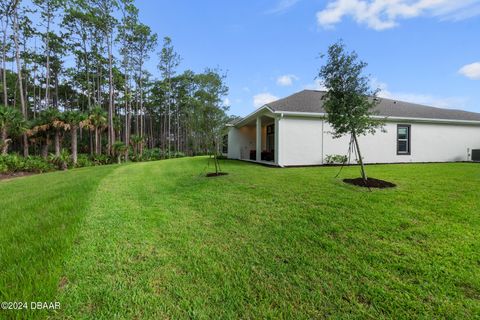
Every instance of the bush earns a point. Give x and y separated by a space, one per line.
177 154
14 163
101 159
62 161
3 168
83 160
155 154
37 164
336 159
11 163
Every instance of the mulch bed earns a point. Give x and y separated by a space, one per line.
6 176
371 183
213 174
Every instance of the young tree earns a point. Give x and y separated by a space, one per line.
349 100
210 96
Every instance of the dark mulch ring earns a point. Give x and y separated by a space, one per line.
213 174
371 183
6 176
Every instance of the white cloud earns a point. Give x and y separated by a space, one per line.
420 98
226 101
286 80
471 71
316 85
282 6
384 14
262 99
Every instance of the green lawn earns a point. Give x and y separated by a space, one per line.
158 240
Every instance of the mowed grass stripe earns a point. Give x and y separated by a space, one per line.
39 217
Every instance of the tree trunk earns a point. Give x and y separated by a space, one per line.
57 142
126 115
19 73
87 71
56 91
364 174
47 66
111 131
216 162
4 67
73 133
90 139
5 141
45 149
97 147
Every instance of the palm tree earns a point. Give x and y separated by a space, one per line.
118 149
43 127
11 123
58 124
97 121
136 141
74 120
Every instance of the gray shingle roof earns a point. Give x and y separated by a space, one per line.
311 101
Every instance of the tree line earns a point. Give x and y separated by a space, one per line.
77 80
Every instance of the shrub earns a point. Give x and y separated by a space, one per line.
155 154
3 168
37 164
101 159
177 154
62 161
14 163
83 160
336 159
11 163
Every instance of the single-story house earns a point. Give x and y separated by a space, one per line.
293 132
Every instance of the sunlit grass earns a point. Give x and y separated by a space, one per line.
159 240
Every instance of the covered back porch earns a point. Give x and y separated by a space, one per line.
255 138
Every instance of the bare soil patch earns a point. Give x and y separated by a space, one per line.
213 174
6 176
370 183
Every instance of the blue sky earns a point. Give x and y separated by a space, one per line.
425 51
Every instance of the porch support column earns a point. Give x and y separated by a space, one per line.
259 138
276 131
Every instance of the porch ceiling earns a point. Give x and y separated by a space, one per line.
266 120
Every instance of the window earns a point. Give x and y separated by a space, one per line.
270 137
403 139
225 144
